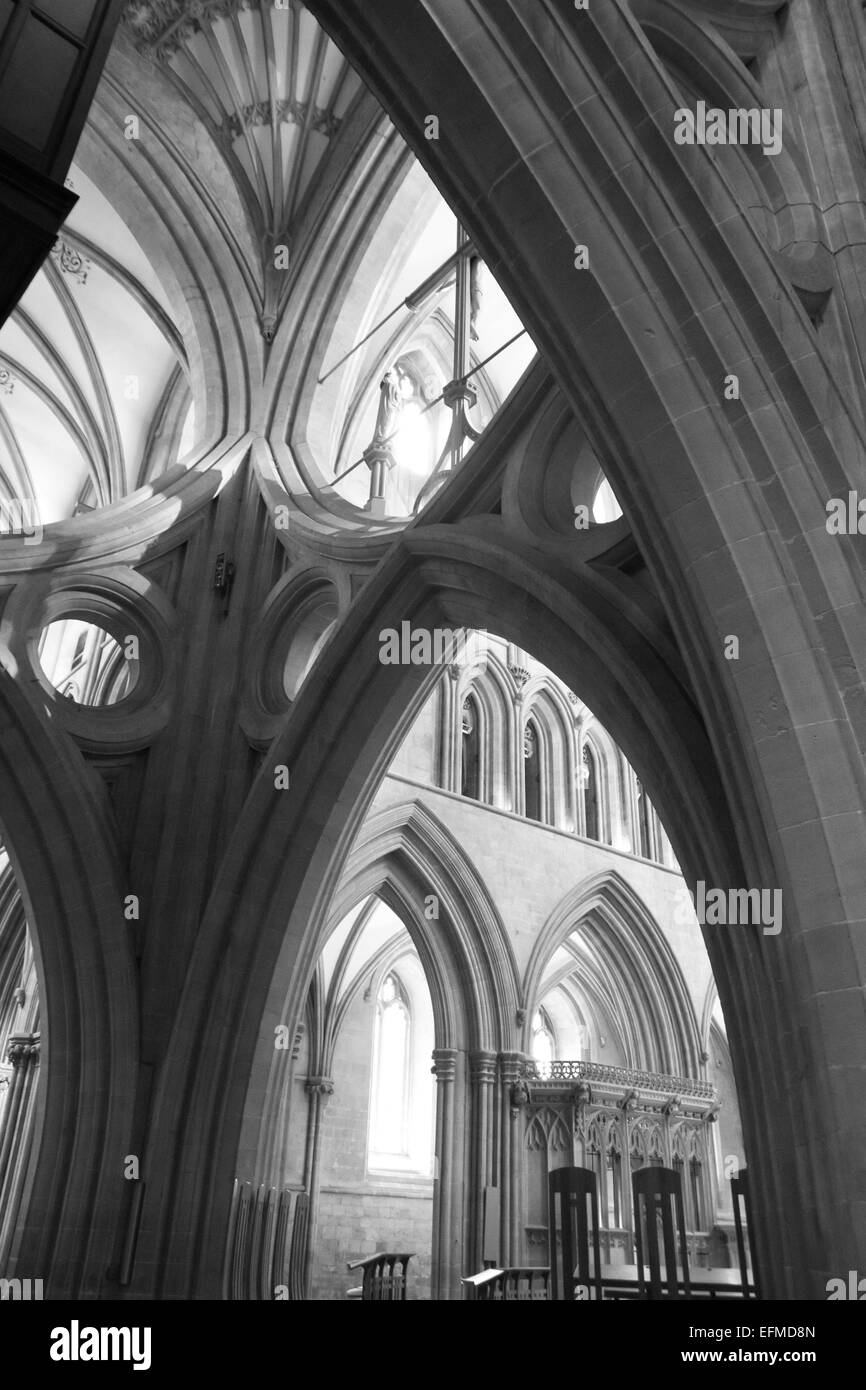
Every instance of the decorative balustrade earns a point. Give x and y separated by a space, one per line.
528 1284
547 1073
382 1282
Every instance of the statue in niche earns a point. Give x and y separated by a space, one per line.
391 397
398 476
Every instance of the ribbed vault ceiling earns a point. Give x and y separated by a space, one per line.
269 86
93 392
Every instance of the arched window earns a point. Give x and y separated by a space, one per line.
470 770
531 773
644 823
543 1043
589 780
389 1122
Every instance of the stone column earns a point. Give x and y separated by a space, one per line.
319 1089
626 1107
512 1101
450 731
17 1136
482 1157
450 1175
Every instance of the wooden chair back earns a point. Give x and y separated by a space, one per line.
660 1233
573 1233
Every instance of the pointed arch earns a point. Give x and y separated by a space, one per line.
547 707
627 946
405 855
56 833
470 748
492 687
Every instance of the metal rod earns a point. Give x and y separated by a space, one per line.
433 281
412 302
438 399
364 340
482 365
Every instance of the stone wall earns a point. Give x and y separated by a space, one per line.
357 1223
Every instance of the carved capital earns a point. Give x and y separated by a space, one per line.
379 454
23 1049
511 1066
444 1066
319 1086
459 391
482 1067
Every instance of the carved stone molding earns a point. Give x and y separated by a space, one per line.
68 259
288 111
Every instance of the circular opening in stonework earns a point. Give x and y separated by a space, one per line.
86 664
308 639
